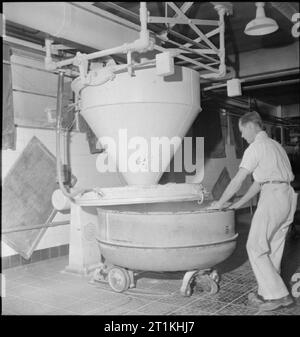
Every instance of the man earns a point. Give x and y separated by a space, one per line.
268 162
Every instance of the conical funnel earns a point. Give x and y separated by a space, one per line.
140 115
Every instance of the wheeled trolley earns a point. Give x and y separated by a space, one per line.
164 237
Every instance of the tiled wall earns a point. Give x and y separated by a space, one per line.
38 255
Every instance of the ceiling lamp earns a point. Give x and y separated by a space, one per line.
261 25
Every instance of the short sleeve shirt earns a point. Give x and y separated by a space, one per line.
267 160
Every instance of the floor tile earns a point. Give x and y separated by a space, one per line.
188 311
45 288
205 305
14 273
231 292
45 283
61 312
166 288
83 307
10 284
177 299
22 290
157 308
48 297
21 306
131 303
236 310
101 296
109 310
134 313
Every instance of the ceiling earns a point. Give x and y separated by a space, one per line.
236 41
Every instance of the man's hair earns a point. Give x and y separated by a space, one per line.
253 117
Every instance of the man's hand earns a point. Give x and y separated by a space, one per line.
234 206
217 205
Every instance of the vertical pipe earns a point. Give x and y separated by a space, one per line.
228 140
60 89
221 12
143 16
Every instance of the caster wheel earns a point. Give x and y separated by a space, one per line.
214 287
186 292
118 279
215 276
207 284
186 287
100 274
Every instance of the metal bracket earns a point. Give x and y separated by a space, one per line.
228 6
210 58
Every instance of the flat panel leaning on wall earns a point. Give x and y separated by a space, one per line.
26 197
8 126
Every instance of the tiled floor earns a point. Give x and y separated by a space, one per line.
43 289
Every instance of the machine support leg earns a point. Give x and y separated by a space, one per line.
84 253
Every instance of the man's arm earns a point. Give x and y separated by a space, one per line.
252 191
232 188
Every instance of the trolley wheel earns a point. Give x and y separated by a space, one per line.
186 287
207 284
187 292
100 274
215 276
118 279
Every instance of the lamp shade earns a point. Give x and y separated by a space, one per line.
261 25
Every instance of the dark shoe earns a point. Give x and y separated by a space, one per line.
270 305
254 300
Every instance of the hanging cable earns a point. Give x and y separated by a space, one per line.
60 90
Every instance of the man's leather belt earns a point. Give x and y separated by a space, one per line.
275 182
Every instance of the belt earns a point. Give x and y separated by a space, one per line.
274 182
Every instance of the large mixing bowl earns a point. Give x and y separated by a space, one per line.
176 236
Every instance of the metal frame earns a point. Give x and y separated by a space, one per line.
209 60
47 225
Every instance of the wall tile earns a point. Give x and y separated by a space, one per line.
15 260
64 250
45 253
54 252
5 262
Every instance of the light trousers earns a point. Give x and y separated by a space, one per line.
275 212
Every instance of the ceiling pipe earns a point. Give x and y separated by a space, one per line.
256 86
255 78
67 21
272 84
144 43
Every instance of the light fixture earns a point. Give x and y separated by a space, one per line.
261 25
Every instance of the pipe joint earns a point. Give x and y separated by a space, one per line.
49 64
222 70
143 44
